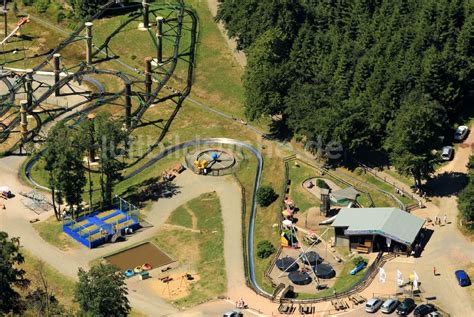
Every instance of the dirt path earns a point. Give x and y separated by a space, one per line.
231 43
193 217
170 226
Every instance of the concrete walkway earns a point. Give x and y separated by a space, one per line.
15 221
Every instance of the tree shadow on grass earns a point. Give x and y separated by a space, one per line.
280 131
446 184
151 189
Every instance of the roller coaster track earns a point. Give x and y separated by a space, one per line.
93 101
166 71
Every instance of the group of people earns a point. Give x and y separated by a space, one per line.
241 304
438 220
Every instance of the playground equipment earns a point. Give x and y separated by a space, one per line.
103 226
200 166
5 192
17 28
213 162
146 267
129 273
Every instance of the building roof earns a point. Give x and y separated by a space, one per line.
393 223
346 193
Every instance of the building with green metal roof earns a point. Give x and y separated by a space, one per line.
375 229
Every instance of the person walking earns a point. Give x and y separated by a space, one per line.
434 270
445 219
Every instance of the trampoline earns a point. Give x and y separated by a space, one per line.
287 264
300 278
324 271
311 258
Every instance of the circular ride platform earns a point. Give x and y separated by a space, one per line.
214 162
300 278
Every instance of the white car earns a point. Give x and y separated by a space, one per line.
434 314
447 153
373 305
461 133
389 306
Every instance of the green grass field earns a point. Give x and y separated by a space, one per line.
203 252
51 231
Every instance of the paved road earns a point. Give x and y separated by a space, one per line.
447 250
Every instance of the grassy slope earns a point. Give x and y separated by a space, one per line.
181 217
204 251
61 286
51 231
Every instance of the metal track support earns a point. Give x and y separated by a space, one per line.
128 105
159 40
89 43
146 21
24 119
148 80
29 88
57 72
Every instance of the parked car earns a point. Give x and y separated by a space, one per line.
389 306
435 314
462 277
461 133
373 305
233 314
424 310
406 306
447 153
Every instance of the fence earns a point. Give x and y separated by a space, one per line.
394 185
369 276
327 172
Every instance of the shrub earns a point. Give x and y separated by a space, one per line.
41 6
60 16
265 196
264 249
322 184
27 2
359 171
359 259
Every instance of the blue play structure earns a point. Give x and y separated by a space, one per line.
103 226
359 267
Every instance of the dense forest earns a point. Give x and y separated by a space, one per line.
385 75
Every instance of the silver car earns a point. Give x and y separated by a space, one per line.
447 153
373 305
389 306
461 133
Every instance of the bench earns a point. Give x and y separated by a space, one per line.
362 249
178 168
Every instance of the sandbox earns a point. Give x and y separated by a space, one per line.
137 256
